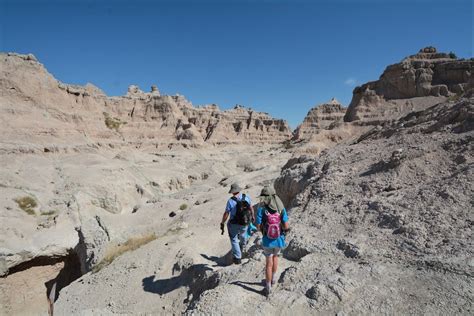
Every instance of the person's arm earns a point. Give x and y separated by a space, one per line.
228 209
284 221
224 217
258 220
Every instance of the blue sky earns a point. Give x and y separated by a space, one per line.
281 57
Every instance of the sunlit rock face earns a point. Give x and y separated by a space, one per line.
416 83
324 116
39 111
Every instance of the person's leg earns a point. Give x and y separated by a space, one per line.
268 274
234 240
269 269
242 237
274 268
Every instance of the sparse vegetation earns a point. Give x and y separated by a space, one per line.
48 213
116 251
112 122
183 206
27 204
287 144
454 97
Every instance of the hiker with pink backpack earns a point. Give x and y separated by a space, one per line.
272 221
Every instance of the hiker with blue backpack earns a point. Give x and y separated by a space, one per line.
272 221
239 209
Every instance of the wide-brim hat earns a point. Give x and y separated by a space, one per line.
235 188
271 199
267 191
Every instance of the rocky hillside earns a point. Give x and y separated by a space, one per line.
417 82
384 224
39 113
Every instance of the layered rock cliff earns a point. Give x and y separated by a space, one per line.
325 116
414 84
40 113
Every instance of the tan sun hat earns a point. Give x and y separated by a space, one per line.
271 199
235 188
267 191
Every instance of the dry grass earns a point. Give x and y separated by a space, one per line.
116 251
288 145
312 150
27 204
48 213
455 97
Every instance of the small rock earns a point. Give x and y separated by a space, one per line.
350 250
295 250
172 214
399 230
313 293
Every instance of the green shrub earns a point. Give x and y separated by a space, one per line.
183 206
27 204
112 122
453 55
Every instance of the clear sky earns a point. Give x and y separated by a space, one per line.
281 57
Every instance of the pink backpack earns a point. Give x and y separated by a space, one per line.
273 224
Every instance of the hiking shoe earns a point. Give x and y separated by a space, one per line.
237 260
274 279
267 291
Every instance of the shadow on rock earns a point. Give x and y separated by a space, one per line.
197 278
385 165
245 285
223 261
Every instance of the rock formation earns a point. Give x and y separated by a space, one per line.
325 116
417 82
77 117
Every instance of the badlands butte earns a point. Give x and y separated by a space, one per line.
112 205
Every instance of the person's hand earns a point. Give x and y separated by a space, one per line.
222 228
